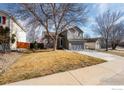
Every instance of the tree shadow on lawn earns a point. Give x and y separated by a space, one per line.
29 51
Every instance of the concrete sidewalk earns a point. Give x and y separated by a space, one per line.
108 73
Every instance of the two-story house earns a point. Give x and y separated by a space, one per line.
71 39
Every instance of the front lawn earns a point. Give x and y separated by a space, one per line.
44 63
115 52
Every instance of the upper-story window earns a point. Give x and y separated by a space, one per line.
2 20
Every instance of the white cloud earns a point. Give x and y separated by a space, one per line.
99 8
121 19
91 21
102 8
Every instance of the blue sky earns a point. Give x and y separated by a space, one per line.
95 9
99 8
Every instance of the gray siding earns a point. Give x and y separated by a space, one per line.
74 35
73 39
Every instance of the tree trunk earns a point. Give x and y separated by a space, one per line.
106 41
55 43
114 46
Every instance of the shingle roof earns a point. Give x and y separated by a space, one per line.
75 28
91 39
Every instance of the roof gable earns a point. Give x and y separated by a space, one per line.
74 29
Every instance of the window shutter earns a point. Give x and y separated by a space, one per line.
4 20
0 19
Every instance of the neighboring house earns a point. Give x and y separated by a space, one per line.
17 33
71 39
94 43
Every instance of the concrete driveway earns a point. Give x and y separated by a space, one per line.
108 73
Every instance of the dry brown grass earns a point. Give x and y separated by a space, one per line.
44 63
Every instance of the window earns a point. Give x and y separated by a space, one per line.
0 19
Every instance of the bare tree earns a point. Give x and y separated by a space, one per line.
115 34
56 17
105 22
65 15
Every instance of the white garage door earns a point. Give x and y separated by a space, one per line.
76 46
